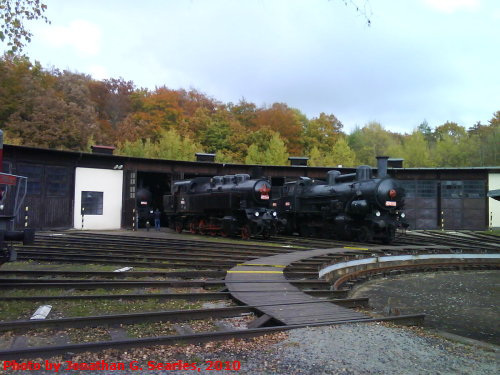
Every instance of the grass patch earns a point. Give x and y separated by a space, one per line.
150 329
495 232
16 310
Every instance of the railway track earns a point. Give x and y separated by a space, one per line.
193 267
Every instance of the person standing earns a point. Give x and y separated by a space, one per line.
157 215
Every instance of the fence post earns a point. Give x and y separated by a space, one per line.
83 215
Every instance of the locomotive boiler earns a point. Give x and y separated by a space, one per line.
225 205
351 206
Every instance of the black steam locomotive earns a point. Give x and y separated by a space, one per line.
353 206
225 205
12 193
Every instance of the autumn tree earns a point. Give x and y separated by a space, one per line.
284 120
245 113
13 17
321 132
59 116
112 99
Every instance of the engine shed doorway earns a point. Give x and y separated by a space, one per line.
150 188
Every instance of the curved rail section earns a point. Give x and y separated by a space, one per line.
261 281
344 271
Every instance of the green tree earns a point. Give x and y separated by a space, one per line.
416 152
169 146
339 154
13 16
271 152
486 139
371 141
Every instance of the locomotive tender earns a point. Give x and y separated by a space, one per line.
350 206
225 205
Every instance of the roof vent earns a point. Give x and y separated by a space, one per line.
200 156
395 163
98 149
298 160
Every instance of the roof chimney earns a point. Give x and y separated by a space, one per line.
298 160
200 156
98 149
395 163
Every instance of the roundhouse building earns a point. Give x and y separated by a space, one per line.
100 190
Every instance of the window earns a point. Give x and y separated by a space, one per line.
426 189
92 202
34 174
57 181
410 188
452 189
474 189
132 179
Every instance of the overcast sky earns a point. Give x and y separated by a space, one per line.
437 60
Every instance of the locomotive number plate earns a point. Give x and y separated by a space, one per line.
264 196
390 203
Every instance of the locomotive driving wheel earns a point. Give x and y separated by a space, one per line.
389 236
245 232
364 234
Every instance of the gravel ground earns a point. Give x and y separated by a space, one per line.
461 302
348 349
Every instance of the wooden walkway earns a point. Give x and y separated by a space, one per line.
261 282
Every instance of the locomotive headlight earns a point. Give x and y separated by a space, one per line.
275 213
256 214
402 215
377 213
1 206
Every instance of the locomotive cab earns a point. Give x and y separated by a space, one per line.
12 193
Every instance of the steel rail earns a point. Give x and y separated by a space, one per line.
214 252
113 260
86 284
184 296
133 240
191 338
139 274
156 316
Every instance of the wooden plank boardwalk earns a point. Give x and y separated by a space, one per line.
262 282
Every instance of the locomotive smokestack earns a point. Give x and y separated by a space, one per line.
382 166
